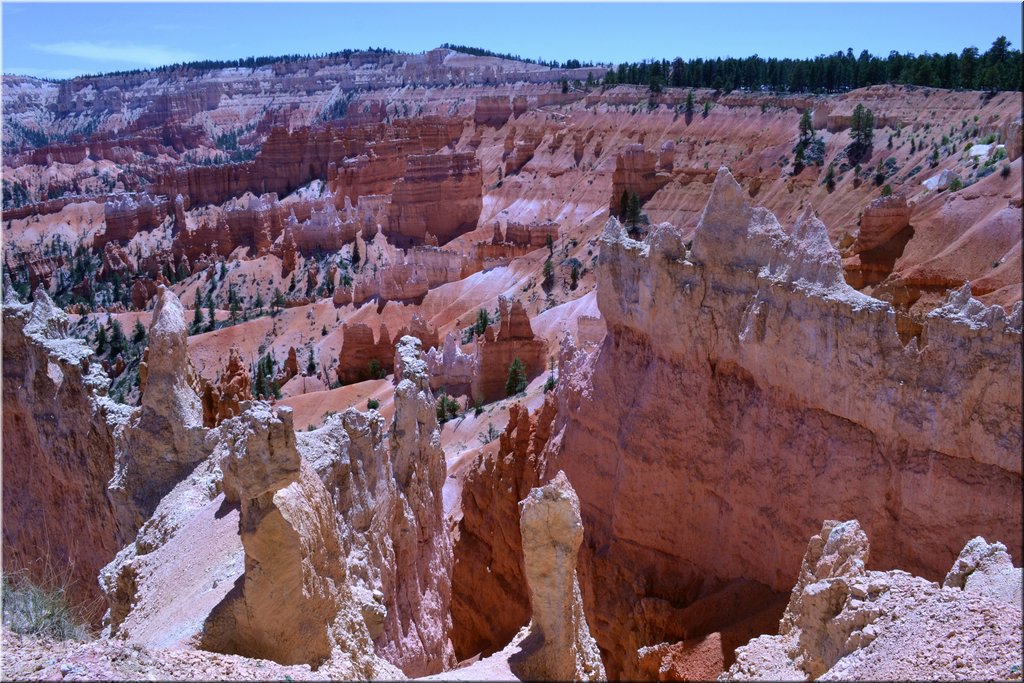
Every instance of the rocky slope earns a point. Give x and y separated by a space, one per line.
755 333
287 442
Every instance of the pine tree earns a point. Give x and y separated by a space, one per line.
633 210
482 321
355 253
211 323
138 332
311 365
197 319
689 103
549 274
806 127
516 378
101 339
117 339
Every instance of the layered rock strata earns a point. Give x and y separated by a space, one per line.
440 194
501 344
736 358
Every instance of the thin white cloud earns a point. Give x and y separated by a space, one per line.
147 55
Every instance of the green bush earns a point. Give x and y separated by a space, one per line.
372 404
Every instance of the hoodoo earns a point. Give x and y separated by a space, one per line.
463 366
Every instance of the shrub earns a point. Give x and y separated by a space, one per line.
478 408
447 407
372 404
30 609
956 184
1005 171
887 190
550 383
490 435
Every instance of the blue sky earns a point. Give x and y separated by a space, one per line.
60 40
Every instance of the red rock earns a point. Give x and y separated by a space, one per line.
513 339
359 350
490 599
441 192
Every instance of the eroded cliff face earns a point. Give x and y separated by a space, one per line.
744 392
59 524
419 599
163 438
490 599
845 622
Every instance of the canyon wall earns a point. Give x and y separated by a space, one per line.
744 392
59 524
440 194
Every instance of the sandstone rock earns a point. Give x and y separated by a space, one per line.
497 349
289 253
441 192
987 569
941 180
532 235
163 439
490 602
883 218
143 291
559 646
846 622
59 525
419 615
635 171
223 400
360 353
294 604
740 319
450 368
492 110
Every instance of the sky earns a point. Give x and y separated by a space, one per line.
61 40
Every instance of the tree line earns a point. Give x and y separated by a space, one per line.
998 68
243 63
481 52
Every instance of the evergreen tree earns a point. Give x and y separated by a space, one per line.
197 319
101 339
138 332
311 365
516 381
806 127
830 178
355 253
689 103
633 210
549 274
482 321
211 322
117 339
